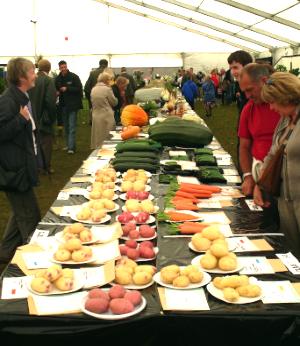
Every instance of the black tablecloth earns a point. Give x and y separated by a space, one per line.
227 324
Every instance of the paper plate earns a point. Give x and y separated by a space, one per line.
147 188
217 293
151 219
133 286
123 197
156 209
231 247
86 194
59 236
148 174
141 239
78 284
89 221
196 261
70 262
206 279
142 259
110 316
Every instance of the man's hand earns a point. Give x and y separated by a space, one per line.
25 112
258 198
62 89
248 186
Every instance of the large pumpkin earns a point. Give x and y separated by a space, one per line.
134 115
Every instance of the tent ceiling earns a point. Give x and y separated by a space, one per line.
264 25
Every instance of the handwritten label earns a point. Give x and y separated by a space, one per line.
255 265
252 206
186 299
291 262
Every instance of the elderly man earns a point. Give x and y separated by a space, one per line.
18 156
257 124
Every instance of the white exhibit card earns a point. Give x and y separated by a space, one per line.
49 244
189 180
15 287
215 217
242 244
77 191
255 265
275 292
177 153
252 206
58 304
209 204
235 179
186 299
66 210
38 234
290 261
104 234
36 260
224 161
230 171
63 196
106 252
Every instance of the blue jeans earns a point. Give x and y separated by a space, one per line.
70 123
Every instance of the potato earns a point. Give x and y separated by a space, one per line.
134 296
218 282
227 263
200 243
79 256
168 276
230 294
211 232
41 285
188 269
173 267
121 306
116 291
67 273
208 261
85 235
195 277
145 268
97 305
181 281
62 255
142 278
138 186
64 283
123 277
126 186
235 281
76 228
73 244
53 272
127 262
249 291
219 250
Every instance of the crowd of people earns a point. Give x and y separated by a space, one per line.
268 104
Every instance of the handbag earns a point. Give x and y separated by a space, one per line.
270 179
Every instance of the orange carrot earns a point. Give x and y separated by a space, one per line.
196 193
177 216
191 228
185 195
202 187
185 206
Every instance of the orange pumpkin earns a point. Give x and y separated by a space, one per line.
130 132
134 115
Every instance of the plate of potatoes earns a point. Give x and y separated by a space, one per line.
73 252
235 289
229 263
55 280
182 277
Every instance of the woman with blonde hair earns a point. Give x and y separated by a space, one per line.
103 101
282 92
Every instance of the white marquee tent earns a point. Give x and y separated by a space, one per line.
170 33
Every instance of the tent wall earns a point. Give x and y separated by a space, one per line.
205 62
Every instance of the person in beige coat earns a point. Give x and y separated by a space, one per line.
103 101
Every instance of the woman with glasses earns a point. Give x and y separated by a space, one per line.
282 92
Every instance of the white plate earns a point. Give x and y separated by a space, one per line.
70 262
89 221
206 279
217 293
231 246
147 188
133 286
109 316
123 197
86 195
196 261
148 174
151 219
141 239
59 237
142 259
190 212
78 284
156 209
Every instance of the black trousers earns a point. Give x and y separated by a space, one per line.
22 222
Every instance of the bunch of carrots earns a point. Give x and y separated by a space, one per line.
188 195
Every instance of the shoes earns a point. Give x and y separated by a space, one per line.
65 148
71 152
51 171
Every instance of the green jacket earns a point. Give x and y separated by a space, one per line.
43 102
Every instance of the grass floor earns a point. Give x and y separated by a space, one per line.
222 123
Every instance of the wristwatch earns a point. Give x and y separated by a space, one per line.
246 175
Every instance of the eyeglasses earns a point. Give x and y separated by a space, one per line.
269 81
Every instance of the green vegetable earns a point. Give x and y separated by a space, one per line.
175 131
135 159
138 145
210 175
202 151
208 160
148 154
124 166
